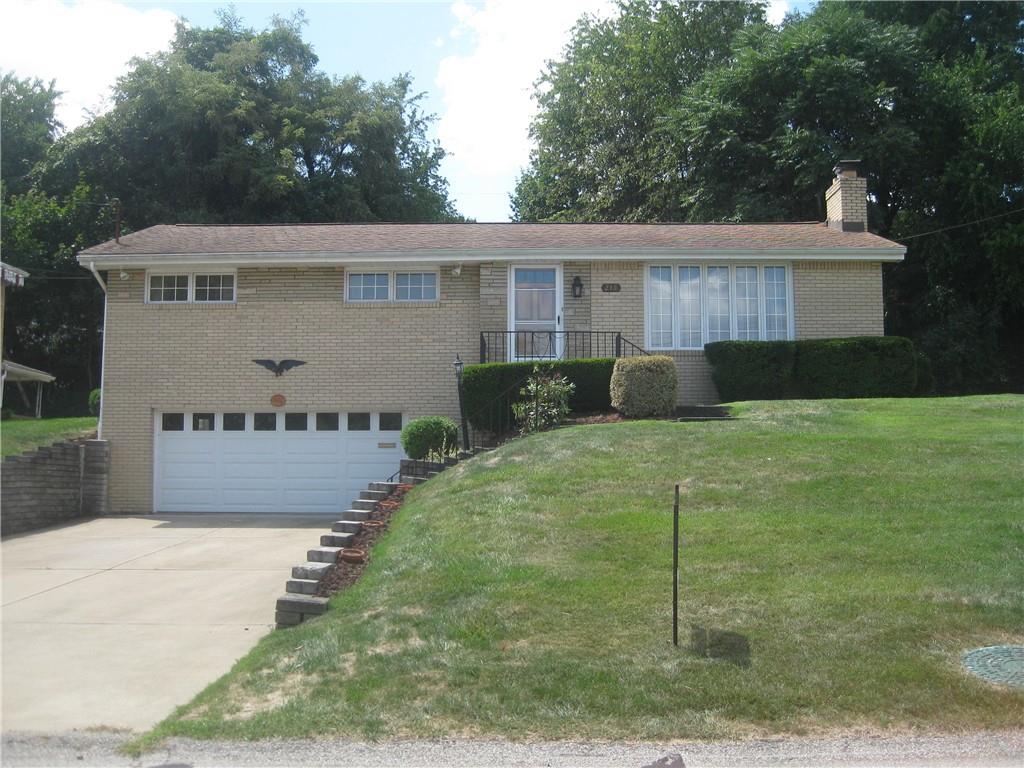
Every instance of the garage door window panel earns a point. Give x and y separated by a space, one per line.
327 422
203 422
296 422
265 422
359 422
233 422
172 422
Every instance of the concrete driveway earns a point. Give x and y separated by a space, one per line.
114 622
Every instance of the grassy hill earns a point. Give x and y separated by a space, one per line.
854 549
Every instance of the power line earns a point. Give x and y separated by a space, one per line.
959 226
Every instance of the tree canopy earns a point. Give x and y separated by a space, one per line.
928 95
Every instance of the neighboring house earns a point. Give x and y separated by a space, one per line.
11 371
378 312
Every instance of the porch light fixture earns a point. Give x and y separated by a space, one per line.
577 287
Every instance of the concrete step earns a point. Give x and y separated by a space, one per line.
323 554
386 487
347 526
301 586
368 504
307 605
413 479
373 495
356 514
336 540
311 570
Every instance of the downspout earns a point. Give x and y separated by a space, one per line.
103 348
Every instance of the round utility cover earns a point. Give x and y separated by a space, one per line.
1002 664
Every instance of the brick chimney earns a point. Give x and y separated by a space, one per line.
846 201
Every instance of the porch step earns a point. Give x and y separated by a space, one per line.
356 514
373 495
386 487
347 526
368 504
323 554
301 586
333 540
412 480
311 570
302 603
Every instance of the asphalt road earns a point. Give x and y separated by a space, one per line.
100 749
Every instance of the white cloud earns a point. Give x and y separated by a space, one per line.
776 11
487 93
83 45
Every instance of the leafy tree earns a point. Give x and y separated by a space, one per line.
601 154
29 128
235 125
933 106
53 321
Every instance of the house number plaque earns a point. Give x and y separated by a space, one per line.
610 288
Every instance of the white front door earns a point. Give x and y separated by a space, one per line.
535 312
271 461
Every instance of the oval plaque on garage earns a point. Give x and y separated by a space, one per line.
278 401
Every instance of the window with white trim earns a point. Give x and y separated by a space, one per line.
661 307
214 288
719 324
691 305
368 286
168 288
415 286
776 304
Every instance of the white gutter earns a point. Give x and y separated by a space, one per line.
440 256
92 268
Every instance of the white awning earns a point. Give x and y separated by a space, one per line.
17 372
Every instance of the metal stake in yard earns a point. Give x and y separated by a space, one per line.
675 569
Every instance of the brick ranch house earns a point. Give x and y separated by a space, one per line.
378 312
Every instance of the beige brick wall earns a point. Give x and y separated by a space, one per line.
359 357
837 298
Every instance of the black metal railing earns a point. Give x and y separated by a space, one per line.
509 346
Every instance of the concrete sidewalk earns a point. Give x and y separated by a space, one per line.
115 621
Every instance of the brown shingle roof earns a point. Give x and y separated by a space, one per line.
384 238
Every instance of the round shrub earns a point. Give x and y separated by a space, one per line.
94 402
644 386
430 437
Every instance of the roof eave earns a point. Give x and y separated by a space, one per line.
442 256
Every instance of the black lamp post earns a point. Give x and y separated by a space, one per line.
458 365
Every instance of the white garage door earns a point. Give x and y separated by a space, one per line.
271 462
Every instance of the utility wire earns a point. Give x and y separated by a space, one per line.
959 226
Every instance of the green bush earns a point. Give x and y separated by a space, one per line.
544 403
490 389
94 402
430 437
752 370
859 366
644 386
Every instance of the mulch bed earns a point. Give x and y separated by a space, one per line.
683 412
342 574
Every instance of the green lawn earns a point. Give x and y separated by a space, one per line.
20 435
858 547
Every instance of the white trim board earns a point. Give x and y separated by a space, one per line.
164 261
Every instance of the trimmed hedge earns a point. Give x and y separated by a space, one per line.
430 436
484 383
752 370
94 402
644 386
859 366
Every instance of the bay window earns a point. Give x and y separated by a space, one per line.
691 305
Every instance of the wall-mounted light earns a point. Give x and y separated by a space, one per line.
577 287
124 275
456 270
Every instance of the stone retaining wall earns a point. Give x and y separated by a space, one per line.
53 485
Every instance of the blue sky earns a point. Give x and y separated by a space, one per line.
476 61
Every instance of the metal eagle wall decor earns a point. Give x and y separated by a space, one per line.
278 368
